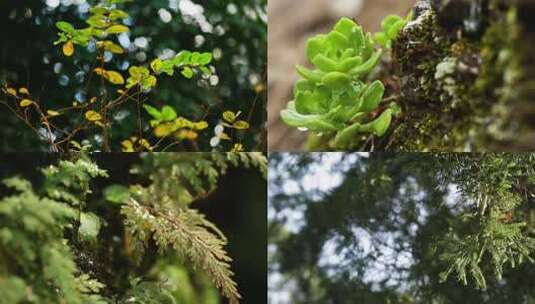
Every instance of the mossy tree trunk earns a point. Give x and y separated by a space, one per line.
463 73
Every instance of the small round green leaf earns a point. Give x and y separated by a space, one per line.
65 26
336 80
380 125
187 72
168 113
205 58
153 112
372 96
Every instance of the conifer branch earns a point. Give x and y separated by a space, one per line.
189 234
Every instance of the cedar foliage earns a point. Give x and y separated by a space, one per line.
462 223
48 232
495 186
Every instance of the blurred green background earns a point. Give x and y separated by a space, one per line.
235 31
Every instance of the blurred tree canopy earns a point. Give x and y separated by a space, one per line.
234 31
401 228
45 210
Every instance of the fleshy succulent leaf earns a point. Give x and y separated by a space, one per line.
314 46
372 96
395 28
388 21
313 122
336 80
314 76
380 125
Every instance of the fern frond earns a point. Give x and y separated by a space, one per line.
69 181
189 234
31 239
248 159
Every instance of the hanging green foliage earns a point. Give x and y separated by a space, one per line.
496 185
403 227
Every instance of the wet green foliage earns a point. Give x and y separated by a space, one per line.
35 255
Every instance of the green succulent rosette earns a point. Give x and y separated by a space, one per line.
333 97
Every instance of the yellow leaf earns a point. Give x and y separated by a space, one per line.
23 90
187 134
118 14
114 48
100 124
117 29
156 65
92 115
11 91
241 125
149 82
165 129
68 48
100 71
52 113
201 125
93 100
25 102
182 122
114 77
76 144
259 87
237 148
145 144
224 136
128 146
229 116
